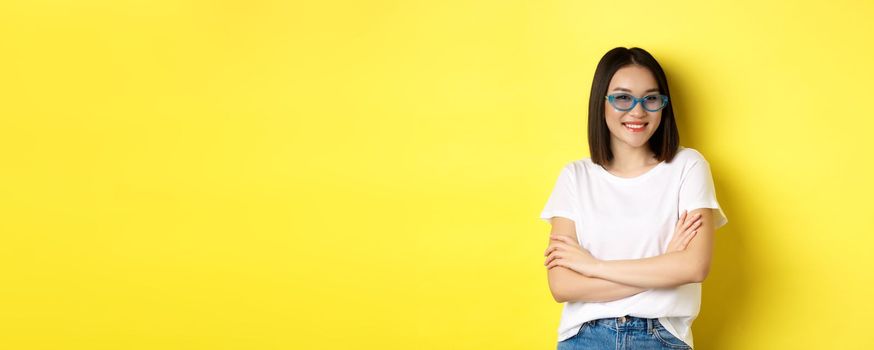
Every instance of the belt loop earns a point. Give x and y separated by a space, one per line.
649 326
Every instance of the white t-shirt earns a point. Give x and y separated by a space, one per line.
633 218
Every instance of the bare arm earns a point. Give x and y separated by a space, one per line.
568 285
668 270
576 287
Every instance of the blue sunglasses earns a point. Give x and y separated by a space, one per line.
627 102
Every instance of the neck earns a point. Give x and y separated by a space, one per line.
627 157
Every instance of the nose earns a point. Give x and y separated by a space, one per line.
638 110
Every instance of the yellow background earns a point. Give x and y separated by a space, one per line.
334 174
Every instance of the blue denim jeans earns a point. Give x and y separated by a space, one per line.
620 333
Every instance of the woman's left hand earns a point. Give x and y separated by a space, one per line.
565 251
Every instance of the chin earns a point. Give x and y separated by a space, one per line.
638 142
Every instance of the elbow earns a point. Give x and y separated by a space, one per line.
557 294
700 274
559 298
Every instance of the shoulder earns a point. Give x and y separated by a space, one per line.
688 156
576 170
578 167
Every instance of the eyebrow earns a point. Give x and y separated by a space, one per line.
624 89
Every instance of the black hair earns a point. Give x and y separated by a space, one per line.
666 139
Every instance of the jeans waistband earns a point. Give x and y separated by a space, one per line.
629 322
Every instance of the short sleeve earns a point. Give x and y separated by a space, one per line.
563 201
697 191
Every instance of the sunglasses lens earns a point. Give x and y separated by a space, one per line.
653 102
622 101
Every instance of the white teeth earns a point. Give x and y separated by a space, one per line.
634 126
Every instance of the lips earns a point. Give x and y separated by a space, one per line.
635 127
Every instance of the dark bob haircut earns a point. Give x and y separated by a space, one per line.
666 139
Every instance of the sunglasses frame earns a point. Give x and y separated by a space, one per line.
612 99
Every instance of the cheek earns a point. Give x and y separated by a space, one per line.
611 114
657 121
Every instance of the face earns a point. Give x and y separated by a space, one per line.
637 81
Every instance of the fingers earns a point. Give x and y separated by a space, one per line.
553 263
694 220
549 250
684 232
553 246
556 255
694 225
563 238
559 241
557 248
689 238
555 259
551 257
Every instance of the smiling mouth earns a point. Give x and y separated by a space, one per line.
634 127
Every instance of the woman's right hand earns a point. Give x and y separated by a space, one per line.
685 230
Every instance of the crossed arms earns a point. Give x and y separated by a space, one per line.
617 279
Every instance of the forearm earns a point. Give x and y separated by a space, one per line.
568 285
662 271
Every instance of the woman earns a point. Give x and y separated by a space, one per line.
632 226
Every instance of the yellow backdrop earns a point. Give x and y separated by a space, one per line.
250 174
